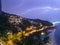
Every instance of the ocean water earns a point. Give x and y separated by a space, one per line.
52 38
57 34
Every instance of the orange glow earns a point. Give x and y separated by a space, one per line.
10 42
29 28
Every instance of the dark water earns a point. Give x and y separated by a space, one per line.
57 34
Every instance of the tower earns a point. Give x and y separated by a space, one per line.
0 6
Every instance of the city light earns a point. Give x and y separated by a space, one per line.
42 33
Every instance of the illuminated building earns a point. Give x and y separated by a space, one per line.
15 19
11 19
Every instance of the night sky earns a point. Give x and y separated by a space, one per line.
41 9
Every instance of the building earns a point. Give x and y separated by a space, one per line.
0 6
15 19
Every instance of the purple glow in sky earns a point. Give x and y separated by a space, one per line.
41 9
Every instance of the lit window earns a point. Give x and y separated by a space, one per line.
42 33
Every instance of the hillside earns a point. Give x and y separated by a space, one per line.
14 29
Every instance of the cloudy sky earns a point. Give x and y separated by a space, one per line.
41 9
